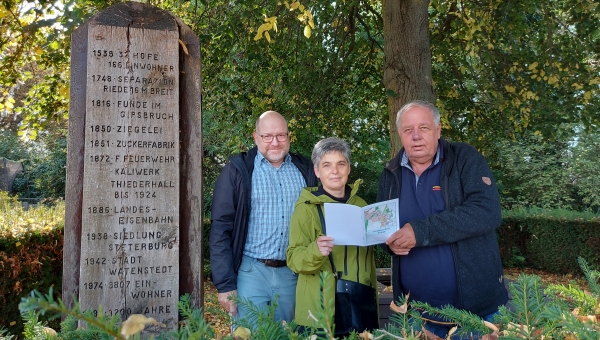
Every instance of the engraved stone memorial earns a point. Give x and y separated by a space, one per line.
133 220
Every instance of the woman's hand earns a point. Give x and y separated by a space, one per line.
325 244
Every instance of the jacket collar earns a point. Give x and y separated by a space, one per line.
394 164
326 199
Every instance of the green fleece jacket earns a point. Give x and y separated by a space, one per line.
304 257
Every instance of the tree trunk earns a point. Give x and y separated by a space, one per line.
407 68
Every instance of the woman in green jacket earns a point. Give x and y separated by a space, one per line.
309 248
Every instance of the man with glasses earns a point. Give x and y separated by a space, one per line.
252 204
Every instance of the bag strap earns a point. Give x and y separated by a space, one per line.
336 274
325 233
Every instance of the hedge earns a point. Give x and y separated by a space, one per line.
31 252
549 240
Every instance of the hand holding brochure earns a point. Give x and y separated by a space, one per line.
352 225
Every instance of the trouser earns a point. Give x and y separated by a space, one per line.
262 285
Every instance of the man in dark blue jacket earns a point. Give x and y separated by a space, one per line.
446 252
253 202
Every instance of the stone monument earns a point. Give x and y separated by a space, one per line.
8 172
133 226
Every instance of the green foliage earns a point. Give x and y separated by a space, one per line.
324 318
205 246
535 313
494 86
105 327
261 320
516 259
585 172
67 326
4 335
467 322
519 237
576 298
406 324
194 326
34 328
528 302
35 60
534 171
503 68
382 258
11 147
324 87
531 233
506 74
513 78
70 330
45 171
550 313
44 163
592 276
567 324
30 253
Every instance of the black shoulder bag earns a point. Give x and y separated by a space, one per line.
355 303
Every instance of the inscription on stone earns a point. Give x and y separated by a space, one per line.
130 223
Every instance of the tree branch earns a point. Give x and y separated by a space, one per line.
447 22
360 19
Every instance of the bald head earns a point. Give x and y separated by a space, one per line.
269 116
272 125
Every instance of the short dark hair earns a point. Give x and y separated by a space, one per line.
327 145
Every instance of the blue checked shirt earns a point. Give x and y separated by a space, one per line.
274 193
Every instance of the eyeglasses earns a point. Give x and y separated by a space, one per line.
282 137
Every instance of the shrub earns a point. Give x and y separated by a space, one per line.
44 162
549 240
31 243
558 312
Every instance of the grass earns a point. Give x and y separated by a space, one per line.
16 221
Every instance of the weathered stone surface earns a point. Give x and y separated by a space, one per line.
133 226
130 217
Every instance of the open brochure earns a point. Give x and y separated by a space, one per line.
352 225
